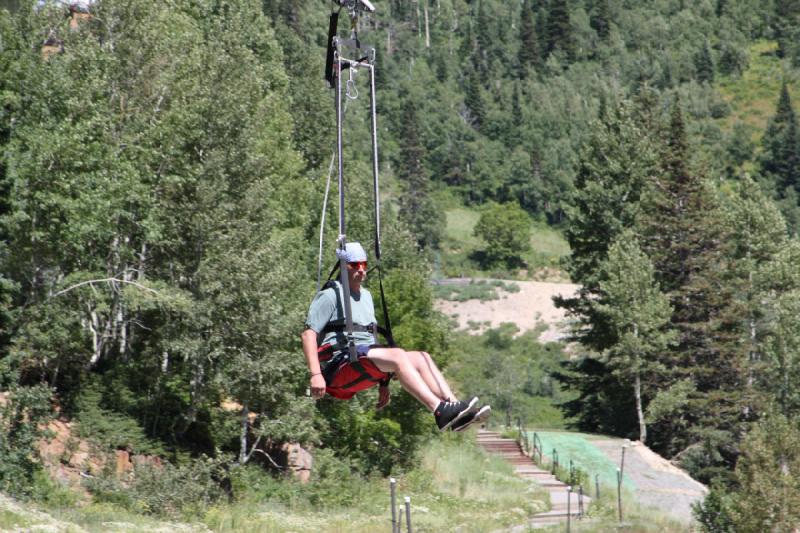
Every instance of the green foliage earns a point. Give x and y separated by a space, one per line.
714 512
704 64
780 159
163 236
769 494
481 289
24 413
417 208
107 428
158 174
637 314
448 493
506 229
559 36
167 491
787 19
511 373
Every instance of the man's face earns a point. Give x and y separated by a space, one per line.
357 272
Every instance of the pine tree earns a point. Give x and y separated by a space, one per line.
704 64
638 315
780 160
473 99
682 235
614 173
529 55
600 19
787 15
416 206
768 475
559 32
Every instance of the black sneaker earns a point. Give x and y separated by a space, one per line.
447 413
474 417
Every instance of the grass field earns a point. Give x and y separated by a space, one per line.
548 246
457 487
753 96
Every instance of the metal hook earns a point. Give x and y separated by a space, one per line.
352 90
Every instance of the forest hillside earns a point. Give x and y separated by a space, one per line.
162 174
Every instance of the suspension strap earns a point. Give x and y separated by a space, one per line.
333 22
376 198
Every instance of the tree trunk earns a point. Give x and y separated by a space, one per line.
243 456
637 391
419 22
427 27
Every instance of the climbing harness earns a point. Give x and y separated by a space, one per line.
337 60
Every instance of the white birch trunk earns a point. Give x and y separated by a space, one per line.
637 392
243 456
419 20
427 27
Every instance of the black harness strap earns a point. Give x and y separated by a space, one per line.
341 326
363 377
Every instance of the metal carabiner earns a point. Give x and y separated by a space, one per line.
352 90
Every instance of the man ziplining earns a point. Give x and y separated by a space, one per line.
325 346
339 337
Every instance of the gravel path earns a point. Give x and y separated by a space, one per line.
658 483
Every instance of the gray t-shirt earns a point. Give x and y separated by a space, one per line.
327 307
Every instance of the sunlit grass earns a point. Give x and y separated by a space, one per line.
548 246
11 520
457 488
105 518
754 95
603 516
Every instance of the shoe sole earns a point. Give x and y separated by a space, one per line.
462 414
480 416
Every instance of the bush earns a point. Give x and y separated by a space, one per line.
481 289
506 228
714 512
184 491
109 428
23 415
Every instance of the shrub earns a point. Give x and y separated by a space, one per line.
506 228
22 418
166 491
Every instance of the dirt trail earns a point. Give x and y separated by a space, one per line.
532 306
658 482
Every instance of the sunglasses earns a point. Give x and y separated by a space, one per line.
357 265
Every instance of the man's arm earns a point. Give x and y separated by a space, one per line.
309 338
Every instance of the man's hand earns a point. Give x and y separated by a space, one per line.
383 397
317 386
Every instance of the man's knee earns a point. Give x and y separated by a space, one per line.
392 354
418 358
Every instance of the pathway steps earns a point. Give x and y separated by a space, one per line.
510 450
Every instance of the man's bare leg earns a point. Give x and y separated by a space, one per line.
395 360
433 377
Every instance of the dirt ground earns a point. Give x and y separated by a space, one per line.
529 308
